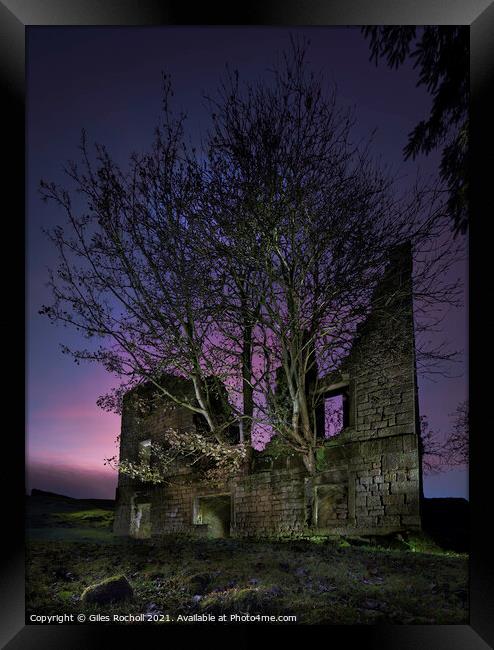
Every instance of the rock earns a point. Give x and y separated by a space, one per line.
152 608
111 590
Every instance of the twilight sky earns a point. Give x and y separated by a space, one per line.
107 80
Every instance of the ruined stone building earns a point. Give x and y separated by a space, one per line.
368 478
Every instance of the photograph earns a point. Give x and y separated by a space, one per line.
247 306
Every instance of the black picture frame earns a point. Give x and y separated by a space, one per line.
15 16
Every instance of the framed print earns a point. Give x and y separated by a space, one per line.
255 265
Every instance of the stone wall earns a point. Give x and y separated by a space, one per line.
382 478
270 503
371 487
136 429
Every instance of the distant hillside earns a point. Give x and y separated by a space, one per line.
43 493
39 496
57 515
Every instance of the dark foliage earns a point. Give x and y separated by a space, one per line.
441 55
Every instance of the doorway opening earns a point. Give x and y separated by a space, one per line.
215 511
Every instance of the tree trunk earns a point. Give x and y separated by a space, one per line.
309 459
309 502
247 390
203 403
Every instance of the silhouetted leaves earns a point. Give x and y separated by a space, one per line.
441 54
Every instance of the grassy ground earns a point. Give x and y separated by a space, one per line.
55 517
318 581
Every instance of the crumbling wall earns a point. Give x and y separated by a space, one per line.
369 499
136 428
382 478
369 488
368 478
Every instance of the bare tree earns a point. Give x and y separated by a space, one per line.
323 219
440 451
244 268
133 273
456 447
432 448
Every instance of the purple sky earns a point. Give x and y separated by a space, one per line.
107 80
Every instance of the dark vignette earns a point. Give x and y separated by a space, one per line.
318 12
482 137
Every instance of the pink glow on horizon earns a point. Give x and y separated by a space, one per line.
71 480
68 436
